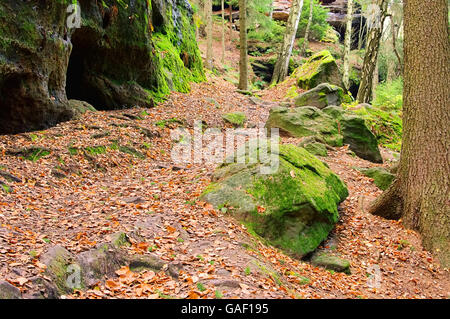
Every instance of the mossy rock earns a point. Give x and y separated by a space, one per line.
293 208
381 177
305 121
58 260
321 96
316 148
81 107
360 138
332 125
237 119
331 262
320 68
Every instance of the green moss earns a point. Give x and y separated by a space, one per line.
293 208
236 118
307 75
381 177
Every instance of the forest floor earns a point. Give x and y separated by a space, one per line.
77 199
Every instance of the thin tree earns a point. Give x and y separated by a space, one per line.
231 21
308 26
378 16
209 29
420 193
348 44
223 32
284 54
243 61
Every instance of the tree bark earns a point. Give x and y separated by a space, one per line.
243 62
420 194
223 32
209 28
348 44
371 56
282 64
231 22
308 26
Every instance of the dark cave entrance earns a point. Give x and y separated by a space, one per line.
74 76
78 82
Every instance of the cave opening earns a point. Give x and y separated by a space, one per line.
78 84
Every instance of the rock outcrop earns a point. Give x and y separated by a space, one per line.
127 53
319 68
332 125
321 96
294 207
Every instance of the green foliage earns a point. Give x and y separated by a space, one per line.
319 25
261 27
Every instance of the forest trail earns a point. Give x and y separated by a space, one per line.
111 171
77 199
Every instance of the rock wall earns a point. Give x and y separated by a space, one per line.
126 53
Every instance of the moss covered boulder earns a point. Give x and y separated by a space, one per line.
124 54
294 208
237 119
320 68
321 96
305 121
381 177
332 125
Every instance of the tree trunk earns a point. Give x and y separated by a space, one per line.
231 22
420 193
223 32
209 28
375 80
281 67
348 44
243 62
308 26
371 56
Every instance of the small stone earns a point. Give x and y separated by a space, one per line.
8 291
331 262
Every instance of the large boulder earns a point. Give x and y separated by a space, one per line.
321 96
294 208
127 53
332 125
319 68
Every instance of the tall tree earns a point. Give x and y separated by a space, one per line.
223 31
348 44
284 54
377 13
308 25
243 61
209 29
420 192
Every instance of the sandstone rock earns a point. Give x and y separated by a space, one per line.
321 96
320 68
332 126
294 208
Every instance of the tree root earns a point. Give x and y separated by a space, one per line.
389 205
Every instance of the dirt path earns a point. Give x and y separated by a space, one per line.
77 201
